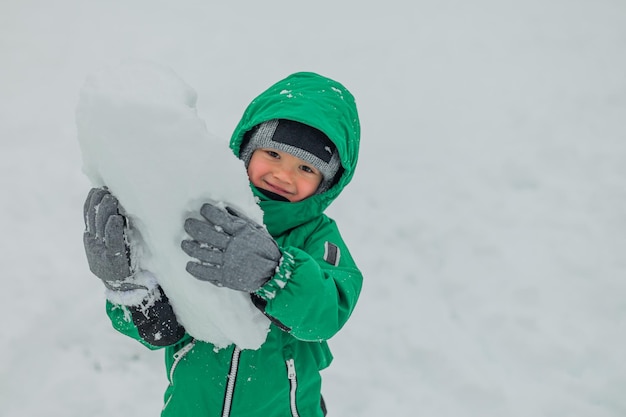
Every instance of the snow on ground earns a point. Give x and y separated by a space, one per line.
487 213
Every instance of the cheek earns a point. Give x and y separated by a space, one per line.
310 185
253 175
253 167
256 171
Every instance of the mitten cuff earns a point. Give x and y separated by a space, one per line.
280 279
145 294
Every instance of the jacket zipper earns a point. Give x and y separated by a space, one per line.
178 356
293 385
232 377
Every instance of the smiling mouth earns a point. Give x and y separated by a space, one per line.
276 189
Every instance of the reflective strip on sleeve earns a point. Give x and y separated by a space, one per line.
331 253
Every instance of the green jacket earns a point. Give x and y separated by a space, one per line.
308 300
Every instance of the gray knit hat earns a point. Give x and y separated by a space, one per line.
300 140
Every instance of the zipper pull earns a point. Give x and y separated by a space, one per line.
291 369
183 351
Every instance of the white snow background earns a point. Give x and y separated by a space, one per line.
488 211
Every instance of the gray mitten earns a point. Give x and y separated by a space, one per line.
230 249
105 241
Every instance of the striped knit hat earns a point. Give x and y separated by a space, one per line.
300 140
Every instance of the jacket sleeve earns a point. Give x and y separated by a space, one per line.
152 322
315 288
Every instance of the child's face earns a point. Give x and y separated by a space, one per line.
283 174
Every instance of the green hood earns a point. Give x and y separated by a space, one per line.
317 101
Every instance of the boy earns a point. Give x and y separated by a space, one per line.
299 142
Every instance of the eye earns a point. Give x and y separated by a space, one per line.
272 154
307 169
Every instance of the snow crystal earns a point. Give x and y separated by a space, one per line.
287 93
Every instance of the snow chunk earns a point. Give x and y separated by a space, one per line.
140 136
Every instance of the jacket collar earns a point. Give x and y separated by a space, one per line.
281 216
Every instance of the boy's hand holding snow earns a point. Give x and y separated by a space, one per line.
230 250
105 241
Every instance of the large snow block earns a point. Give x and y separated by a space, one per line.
140 136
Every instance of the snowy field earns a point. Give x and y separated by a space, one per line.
488 211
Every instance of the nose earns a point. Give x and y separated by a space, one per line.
283 174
